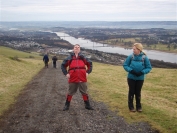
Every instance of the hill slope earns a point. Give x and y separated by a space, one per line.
39 109
15 73
108 84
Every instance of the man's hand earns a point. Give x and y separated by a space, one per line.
68 76
86 75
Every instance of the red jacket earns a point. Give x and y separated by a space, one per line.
76 67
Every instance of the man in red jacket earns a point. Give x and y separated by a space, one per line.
78 69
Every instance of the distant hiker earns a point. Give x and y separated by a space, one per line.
46 60
137 65
54 58
77 75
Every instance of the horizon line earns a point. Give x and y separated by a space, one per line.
92 21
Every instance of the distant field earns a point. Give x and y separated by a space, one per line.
162 47
108 84
15 73
159 47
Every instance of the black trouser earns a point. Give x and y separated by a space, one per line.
46 63
54 63
134 89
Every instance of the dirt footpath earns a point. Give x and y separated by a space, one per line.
39 110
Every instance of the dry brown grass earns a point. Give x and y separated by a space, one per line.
108 84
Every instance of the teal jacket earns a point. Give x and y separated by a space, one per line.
138 64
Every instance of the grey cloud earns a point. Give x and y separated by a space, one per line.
89 9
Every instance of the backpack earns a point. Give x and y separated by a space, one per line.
54 58
81 58
142 60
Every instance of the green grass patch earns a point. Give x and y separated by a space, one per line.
159 47
11 53
120 41
108 83
15 73
162 47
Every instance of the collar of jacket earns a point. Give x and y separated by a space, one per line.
79 54
139 54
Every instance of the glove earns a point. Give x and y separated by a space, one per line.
136 73
139 74
133 72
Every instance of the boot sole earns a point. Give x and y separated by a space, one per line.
89 108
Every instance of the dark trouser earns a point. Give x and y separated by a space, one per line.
134 89
54 64
46 64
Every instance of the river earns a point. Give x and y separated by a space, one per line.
85 43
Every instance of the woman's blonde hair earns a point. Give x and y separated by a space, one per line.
139 46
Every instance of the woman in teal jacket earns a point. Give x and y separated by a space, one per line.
137 65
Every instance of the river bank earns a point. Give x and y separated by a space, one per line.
88 44
144 47
114 58
118 59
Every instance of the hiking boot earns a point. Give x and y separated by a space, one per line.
67 103
87 105
86 101
132 110
66 107
139 110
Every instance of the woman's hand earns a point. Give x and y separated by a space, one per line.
136 73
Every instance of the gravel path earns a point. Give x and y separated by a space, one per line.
39 110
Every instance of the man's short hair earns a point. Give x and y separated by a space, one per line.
77 45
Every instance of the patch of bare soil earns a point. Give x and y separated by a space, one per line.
39 110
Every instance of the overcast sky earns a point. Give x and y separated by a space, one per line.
88 10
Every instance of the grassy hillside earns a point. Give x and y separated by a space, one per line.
15 73
8 52
108 84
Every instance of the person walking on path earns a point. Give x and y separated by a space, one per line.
54 58
77 75
46 60
137 65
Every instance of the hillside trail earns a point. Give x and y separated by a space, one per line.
39 110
